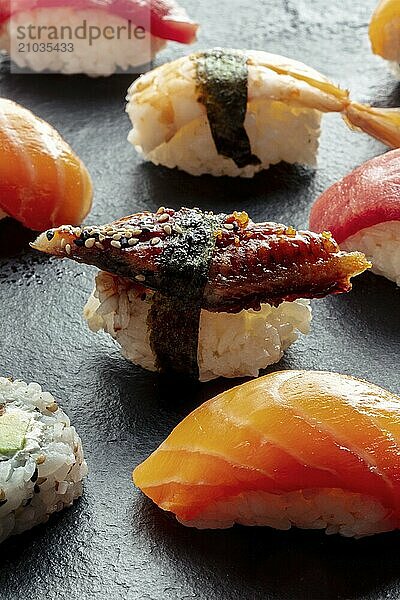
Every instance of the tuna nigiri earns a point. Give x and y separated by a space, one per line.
202 294
42 182
362 211
95 37
295 448
236 112
384 33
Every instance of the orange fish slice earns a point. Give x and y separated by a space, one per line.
42 182
304 448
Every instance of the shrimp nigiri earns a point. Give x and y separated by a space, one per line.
362 211
310 449
235 112
42 182
202 294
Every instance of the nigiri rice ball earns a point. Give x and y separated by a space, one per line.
101 58
381 245
230 345
171 127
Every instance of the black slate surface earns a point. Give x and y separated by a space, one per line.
114 544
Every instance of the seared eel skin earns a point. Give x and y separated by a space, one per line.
234 263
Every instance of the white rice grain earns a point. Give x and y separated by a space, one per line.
381 245
102 58
332 509
230 345
46 474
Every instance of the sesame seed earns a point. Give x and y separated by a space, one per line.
161 210
136 231
117 236
155 240
90 243
163 218
78 231
140 278
290 231
101 238
167 229
133 242
128 234
53 407
228 226
116 244
178 228
99 246
68 249
63 243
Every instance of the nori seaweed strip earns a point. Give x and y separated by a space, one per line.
222 79
174 315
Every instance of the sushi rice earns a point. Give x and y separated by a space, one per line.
102 58
45 474
335 510
230 345
381 245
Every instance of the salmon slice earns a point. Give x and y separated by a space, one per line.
42 182
322 438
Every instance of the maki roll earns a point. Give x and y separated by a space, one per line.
42 181
362 211
94 37
384 33
202 294
236 112
307 449
41 458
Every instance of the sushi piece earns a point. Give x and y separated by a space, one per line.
42 182
41 458
201 294
91 36
235 112
362 211
384 33
309 449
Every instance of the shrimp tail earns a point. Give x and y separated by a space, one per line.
381 123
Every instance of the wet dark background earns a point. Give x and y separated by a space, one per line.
114 544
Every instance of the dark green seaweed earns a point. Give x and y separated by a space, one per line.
174 315
222 80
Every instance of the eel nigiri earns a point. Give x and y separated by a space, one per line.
42 182
235 112
310 449
202 294
362 211
95 37
384 33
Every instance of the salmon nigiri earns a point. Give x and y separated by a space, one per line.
362 211
384 33
42 182
304 448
